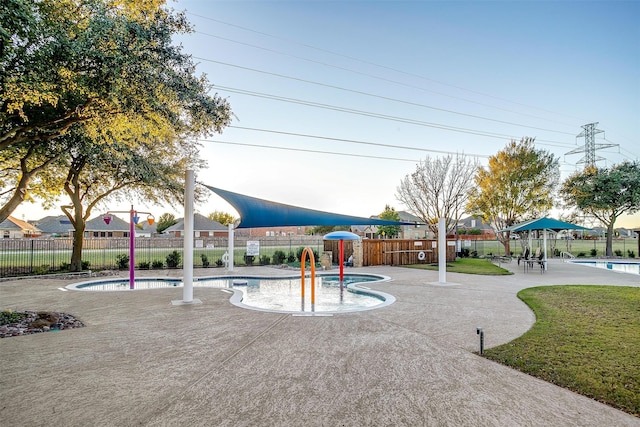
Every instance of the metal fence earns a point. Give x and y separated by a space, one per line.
41 256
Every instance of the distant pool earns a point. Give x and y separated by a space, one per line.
279 294
620 266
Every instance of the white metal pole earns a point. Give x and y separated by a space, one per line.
230 245
442 250
189 195
544 239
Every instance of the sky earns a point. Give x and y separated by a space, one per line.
336 102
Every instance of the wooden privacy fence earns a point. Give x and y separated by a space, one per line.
391 251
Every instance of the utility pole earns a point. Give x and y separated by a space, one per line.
589 148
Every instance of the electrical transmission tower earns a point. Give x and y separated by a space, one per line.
589 148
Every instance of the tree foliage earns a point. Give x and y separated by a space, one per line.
438 189
223 218
605 194
165 221
106 66
518 184
389 214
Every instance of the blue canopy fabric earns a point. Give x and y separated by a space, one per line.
544 224
256 213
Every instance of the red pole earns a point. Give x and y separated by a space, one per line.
132 243
341 260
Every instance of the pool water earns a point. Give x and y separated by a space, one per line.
279 294
620 266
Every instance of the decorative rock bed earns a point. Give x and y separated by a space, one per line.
33 322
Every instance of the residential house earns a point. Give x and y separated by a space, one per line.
143 229
474 228
202 227
97 227
13 228
55 226
416 231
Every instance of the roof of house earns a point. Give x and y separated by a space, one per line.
12 223
55 224
200 223
146 228
408 217
480 224
98 224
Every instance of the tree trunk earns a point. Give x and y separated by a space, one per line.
17 198
78 241
609 248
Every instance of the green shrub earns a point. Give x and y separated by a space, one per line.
43 269
173 259
631 253
291 257
594 252
219 262
299 254
144 265
157 264
474 254
556 252
618 252
10 316
85 265
65 266
265 260
464 252
205 260
279 257
581 255
122 261
248 259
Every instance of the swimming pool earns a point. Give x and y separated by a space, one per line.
278 294
620 266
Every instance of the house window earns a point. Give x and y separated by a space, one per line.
197 234
109 234
473 223
95 234
125 234
103 234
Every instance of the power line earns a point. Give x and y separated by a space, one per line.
401 147
391 69
303 150
386 98
384 116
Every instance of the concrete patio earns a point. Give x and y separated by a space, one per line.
142 361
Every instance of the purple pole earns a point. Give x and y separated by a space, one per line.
132 243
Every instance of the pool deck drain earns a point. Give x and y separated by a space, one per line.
141 361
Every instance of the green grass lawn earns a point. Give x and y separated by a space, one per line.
586 339
468 266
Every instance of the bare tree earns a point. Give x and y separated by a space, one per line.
438 189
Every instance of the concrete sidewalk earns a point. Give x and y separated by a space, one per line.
142 361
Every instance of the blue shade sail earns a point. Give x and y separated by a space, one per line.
256 213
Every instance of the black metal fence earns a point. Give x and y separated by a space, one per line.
42 256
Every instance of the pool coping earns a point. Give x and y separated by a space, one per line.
237 295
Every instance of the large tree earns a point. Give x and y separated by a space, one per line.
114 169
605 194
438 189
518 184
108 66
